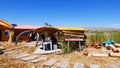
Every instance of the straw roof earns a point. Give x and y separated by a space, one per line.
5 24
63 28
46 29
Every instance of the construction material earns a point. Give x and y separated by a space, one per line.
117 45
29 58
50 62
110 66
114 54
107 47
114 49
78 65
100 55
9 53
21 55
14 48
94 66
38 59
63 64
85 52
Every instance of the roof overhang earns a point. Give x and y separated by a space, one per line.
63 28
46 29
5 24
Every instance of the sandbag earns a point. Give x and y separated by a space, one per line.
117 45
114 49
114 54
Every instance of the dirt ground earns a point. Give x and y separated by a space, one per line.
6 61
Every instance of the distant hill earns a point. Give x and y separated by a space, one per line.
100 29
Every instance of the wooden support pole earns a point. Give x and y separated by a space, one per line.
11 36
68 46
80 46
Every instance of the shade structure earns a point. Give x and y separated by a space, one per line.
64 28
46 29
5 24
26 27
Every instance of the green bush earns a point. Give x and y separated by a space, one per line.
72 45
98 37
115 36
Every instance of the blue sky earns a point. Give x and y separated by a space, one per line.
79 13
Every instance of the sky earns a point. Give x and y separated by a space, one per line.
77 13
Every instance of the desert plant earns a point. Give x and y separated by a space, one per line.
115 36
72 45
98 37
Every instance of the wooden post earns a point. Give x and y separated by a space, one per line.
68 46
11 36
80 46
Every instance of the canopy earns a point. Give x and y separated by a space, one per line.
5 24
46 29
27 27
70 28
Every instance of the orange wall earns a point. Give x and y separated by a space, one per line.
3 36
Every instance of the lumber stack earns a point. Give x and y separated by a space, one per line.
111 46
115 48
114 54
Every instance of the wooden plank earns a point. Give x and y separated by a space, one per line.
19 55
110 66
29 57
74 39
22 55
78 65
38 59
94 66
50 62
63 64
100 55
9 53
13 48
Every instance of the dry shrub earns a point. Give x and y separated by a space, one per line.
7 61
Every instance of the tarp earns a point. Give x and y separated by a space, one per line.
70 28
5 24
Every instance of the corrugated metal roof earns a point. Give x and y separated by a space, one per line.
26 27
